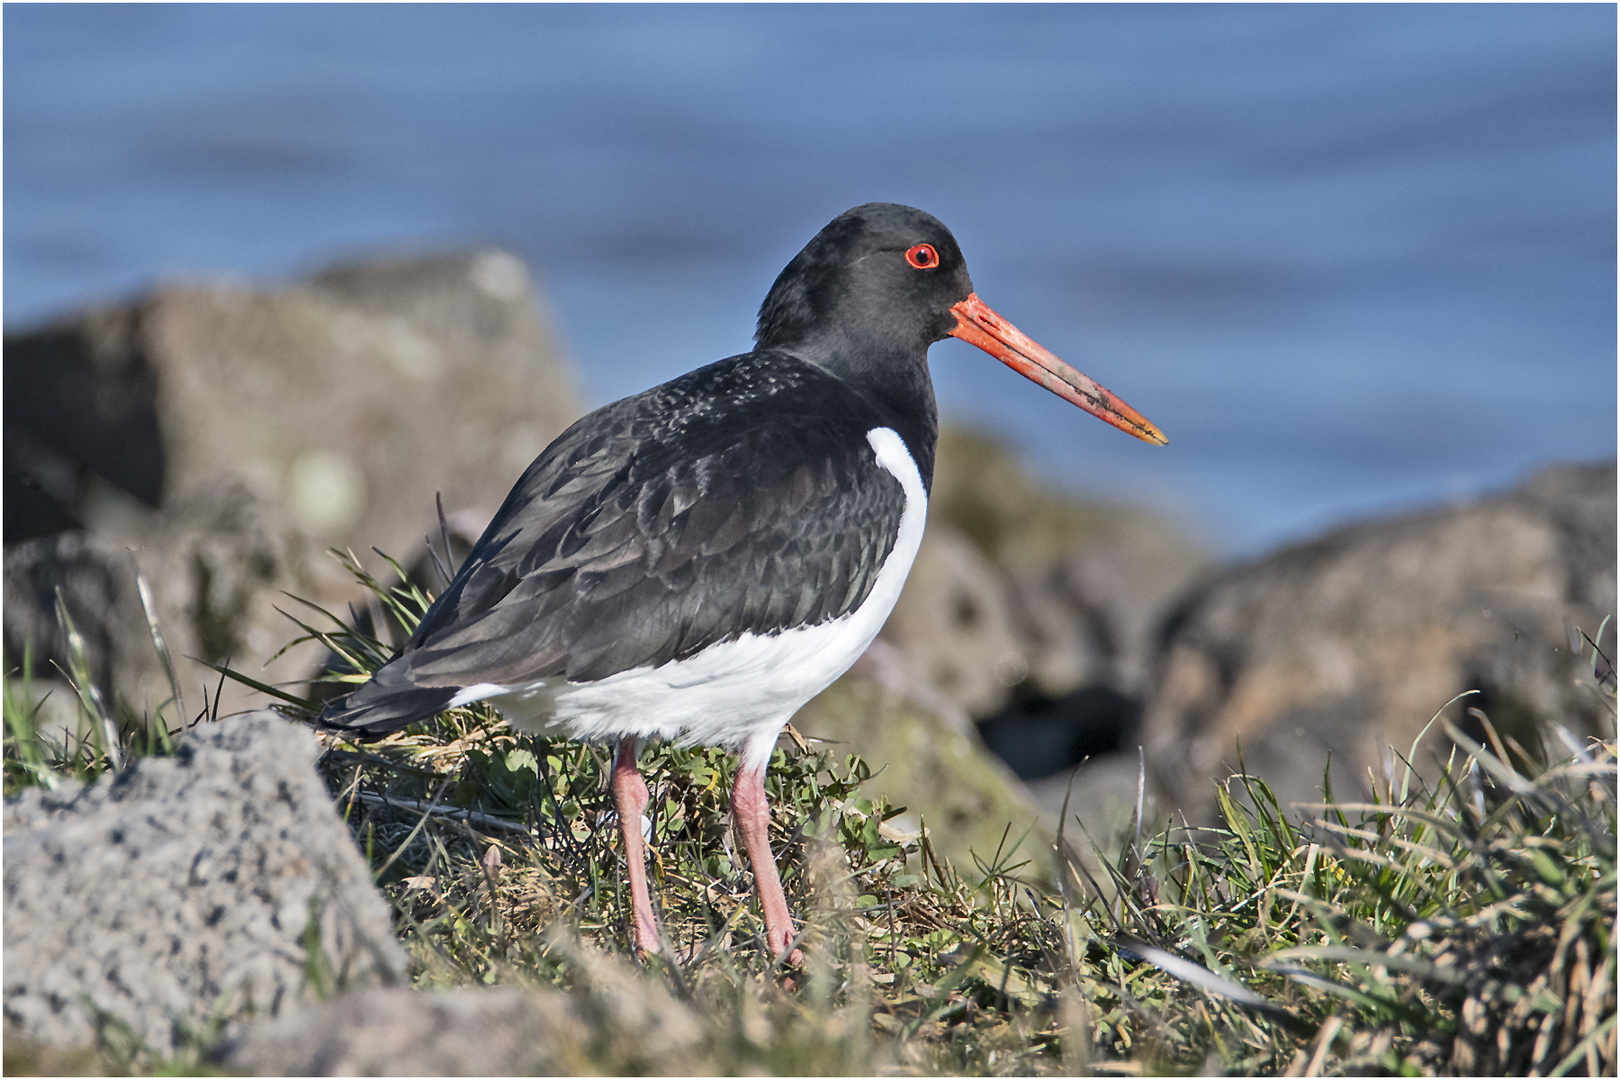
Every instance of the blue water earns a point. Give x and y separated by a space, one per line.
1350 258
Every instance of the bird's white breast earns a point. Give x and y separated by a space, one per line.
737 693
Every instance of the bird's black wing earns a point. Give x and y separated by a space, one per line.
743 497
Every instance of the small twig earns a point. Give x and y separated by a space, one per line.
472 817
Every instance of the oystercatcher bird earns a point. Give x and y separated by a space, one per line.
699 560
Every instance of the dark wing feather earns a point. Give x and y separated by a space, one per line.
741 497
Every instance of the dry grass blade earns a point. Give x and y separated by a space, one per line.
78 677
149 608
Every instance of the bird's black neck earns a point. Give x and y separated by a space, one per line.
899 388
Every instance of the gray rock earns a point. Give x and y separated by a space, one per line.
1351 643
502 1031
182 889
622 1023
1031 613
81 418
350 398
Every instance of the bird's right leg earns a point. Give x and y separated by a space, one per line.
630 797
752 812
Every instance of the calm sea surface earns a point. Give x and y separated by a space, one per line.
1350 258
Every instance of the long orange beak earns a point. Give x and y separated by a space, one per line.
977 325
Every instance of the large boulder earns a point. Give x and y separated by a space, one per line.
957 623
1349 644
187 889
350 398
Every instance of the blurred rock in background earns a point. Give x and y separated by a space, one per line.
1017 650
343 398
215 563
218 437
1349 644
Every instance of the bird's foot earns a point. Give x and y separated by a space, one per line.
780 942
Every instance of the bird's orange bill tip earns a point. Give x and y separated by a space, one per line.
977 325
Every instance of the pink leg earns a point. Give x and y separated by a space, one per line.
752 813
630 797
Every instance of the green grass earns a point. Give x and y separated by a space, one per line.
1460 927
95 734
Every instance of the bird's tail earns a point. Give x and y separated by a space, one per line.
389 702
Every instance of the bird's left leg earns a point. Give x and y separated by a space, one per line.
630 798
752 813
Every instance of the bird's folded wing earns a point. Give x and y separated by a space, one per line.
634 540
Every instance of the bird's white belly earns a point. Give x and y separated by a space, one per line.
737 693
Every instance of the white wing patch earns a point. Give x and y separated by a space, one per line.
475 692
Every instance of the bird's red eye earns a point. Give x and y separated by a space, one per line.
923 257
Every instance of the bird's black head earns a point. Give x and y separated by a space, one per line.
878 281
880 284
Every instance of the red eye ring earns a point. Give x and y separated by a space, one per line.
923 256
